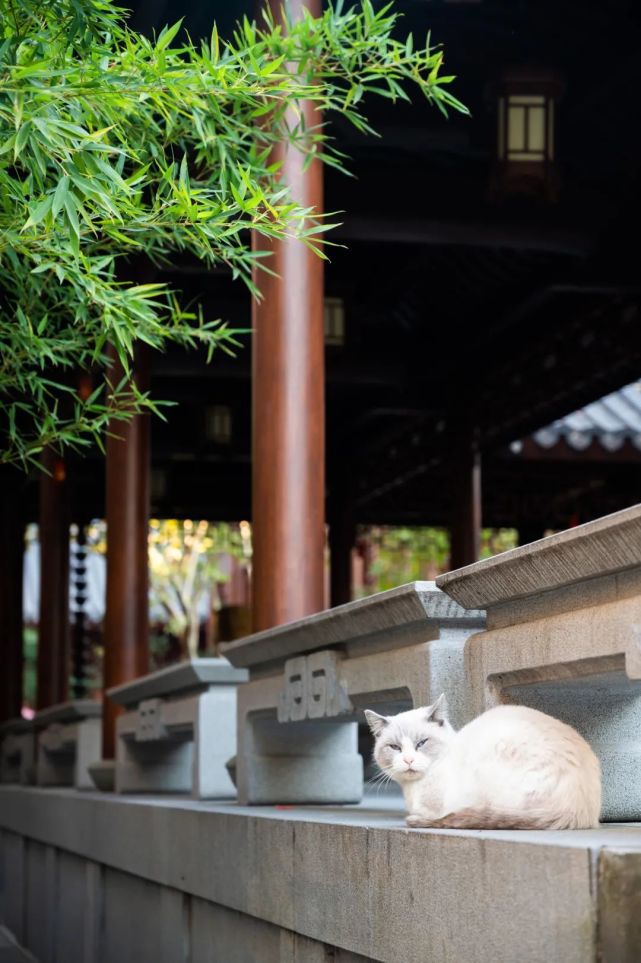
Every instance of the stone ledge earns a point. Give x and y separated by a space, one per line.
355 878
598 548
387 613
68 712
194 675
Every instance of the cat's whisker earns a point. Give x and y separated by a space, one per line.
382 778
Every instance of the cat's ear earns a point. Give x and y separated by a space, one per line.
438 712
375 722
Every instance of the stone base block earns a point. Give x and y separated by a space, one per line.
17 752
178 730
307 762
69 742
606 710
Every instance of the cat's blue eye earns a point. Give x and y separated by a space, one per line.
421 743
397 748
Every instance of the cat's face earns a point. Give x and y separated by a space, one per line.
408 743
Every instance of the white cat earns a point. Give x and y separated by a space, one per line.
510 768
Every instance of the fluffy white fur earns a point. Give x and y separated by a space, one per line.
510 768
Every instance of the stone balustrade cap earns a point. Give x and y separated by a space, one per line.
416 602
180 679
601 547
68 712
16 726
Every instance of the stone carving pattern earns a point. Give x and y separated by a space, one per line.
149 727
312 689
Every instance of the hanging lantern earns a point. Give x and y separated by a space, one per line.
218 424
526 148
334 321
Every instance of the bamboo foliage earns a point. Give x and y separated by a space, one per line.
118 151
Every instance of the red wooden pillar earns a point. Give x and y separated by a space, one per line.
127 611
54 629
289 409
466 502
11 558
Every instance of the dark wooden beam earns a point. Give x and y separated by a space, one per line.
11 558
127 612
289 408
54 631
516 237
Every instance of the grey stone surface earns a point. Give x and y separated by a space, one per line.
305 762
180 741
602 546
39 900
619 881
75 907
17 751
186 677
394 650
69 742
335 880
221 934
10 951
142 922
379 620
606 709
12 881
103 775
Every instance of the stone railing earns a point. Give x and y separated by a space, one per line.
564 635
310 680
178 730
69 741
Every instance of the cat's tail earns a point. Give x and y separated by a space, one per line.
487 818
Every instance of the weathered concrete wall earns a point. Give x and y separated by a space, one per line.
67 909
99 879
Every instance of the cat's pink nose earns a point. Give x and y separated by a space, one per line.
408 761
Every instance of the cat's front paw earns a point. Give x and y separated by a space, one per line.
416 822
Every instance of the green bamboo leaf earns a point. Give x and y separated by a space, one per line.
21 138
167 35
60 195
39 212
